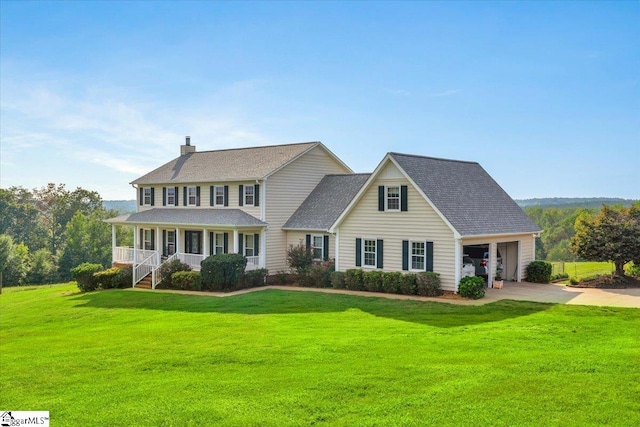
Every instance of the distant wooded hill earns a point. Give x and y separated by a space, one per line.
574 202
121 206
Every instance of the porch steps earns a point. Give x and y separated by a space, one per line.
145 283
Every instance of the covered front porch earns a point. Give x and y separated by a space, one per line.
156 243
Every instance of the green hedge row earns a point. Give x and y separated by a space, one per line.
424 284
91 277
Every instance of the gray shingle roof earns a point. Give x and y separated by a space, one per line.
326 202
471 200
181 216
222 165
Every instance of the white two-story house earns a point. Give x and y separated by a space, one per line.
411 214
211 202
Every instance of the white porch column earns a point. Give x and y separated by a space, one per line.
236 246
158 247
458 261
113 243
177 239
263 249
205 245
135 245
519 268
493 261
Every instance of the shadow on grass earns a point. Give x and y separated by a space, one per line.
281 302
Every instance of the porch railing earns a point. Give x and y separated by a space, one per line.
253 263
126 254
156 276
143 269
193 260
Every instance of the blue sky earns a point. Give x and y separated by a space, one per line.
545 96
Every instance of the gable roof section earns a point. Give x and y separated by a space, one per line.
237 164
326 202
190 216
466 195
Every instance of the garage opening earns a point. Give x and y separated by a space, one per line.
479 255
508 255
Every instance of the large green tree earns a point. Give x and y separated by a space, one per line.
611 235
20 219
6 252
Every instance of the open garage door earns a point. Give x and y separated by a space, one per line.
479 256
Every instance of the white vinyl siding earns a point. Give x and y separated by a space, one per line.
285 192
420 222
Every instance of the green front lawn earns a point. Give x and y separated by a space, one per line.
581 270
278 358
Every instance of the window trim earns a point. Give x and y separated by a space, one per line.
215 243
398 197
314 247
375 252
145 195
195 195
253 195
424 255
216 195
245 246
171 202
147 244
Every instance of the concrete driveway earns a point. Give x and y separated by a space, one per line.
557 293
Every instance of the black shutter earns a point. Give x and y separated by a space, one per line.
211 194
241 193
256 195
241 243
307 241
226 195
325 249
212 246
403 198
225 242
198 195
153 196
187 242
141 244
164 196
164 243
153 239
358 252
175 197
379 254
381 197
256 244
184 196
429 263
141 196
405 255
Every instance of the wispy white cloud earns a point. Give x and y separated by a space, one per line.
396 92
449 92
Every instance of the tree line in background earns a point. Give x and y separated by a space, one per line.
47 231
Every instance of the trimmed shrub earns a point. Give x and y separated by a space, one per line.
338 280
471 287
299 258
353 280
281 278
373 281
559 276
428 284
574 281
222 272
83 275
186 280
255 278
407 284
391 282
632 269
114 277
319 275
539 272
165 272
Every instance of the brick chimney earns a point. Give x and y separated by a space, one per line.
187 147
